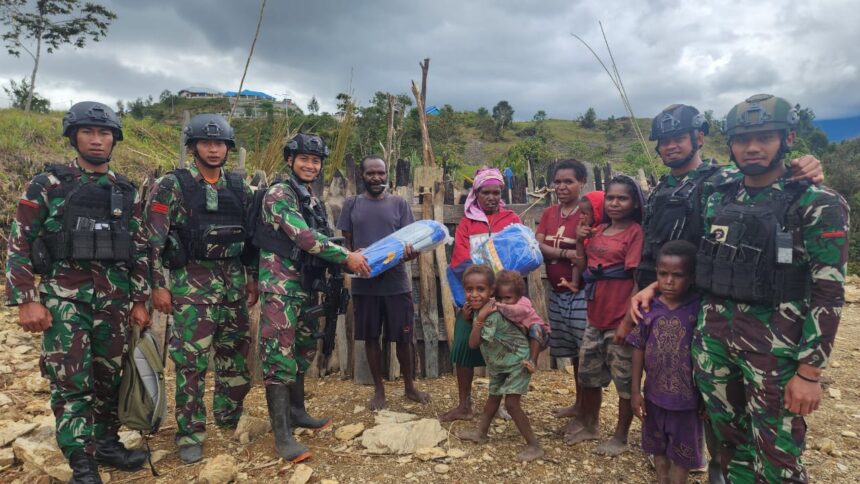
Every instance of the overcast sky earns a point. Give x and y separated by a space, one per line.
481 51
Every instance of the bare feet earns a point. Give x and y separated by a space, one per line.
471 434
457 413
611 447
377 402
530 453
416 396
575 433
566 412
529 365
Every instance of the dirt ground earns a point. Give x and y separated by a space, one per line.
837 420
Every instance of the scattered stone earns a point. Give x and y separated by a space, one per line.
349 432
388 417
329 481
220 469
849 433
486 457
404 460
456 453
430 453
358 409
38 407
441 469
835 364
7 457
38 451
562 391
842 467
826 445
20 350
341 448
9 431
157 455
4 400
249 428
131 439
403 438
835 393
301 474
33 383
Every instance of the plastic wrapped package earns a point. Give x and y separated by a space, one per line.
388 251
513 248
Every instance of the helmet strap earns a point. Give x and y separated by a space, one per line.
201 160
95 160
754 170
686 159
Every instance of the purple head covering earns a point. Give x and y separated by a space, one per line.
483 177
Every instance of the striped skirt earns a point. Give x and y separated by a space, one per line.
567 318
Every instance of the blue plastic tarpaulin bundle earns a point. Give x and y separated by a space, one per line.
422 235
513 248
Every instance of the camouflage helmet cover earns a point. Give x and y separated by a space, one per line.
762 112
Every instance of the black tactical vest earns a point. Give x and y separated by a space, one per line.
211 234
276 241
672 213
750 255
95 219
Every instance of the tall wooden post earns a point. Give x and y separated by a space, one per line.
186 118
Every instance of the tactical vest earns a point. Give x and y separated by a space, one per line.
672 213
95 221
210 232
750 255
278 242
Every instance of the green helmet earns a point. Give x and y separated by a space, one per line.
762 112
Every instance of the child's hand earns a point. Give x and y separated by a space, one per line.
486 310
574 287
529 365
703 412
583 232
466 311
638 404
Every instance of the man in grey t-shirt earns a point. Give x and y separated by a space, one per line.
383 304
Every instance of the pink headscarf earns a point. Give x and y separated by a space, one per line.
483 177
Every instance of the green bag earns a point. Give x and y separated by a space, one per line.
142 399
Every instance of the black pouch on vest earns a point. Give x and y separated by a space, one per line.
103 245
40 256
123 248
220 242
174 255
83 244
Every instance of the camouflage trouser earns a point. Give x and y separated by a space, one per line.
196 329
82 357
287 345
744 395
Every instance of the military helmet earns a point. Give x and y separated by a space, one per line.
306 143
89 113
762 112
677 119
209 126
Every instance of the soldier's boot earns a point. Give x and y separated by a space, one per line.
111 452
298 413
190 454
85 470
278 400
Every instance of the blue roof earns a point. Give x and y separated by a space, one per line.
432 110
248 92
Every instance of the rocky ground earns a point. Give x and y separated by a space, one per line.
428 451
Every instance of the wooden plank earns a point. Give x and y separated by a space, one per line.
448 310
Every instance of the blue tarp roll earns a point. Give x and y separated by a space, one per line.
387 252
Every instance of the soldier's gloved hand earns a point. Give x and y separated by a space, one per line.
641 302
162 300
34 317
251 293
807 167
139 315
356 263
801 396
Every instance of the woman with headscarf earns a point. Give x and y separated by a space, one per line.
484 214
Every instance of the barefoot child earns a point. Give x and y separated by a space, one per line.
612 254
516 308
671 428
504 348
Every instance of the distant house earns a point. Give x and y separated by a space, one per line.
249 94
191 92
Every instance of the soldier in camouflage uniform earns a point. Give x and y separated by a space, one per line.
772 266
290 240
78 225
195 219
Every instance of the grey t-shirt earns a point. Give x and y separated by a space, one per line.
370 220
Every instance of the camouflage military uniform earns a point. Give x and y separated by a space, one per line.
209 310
89 302
287 344
745 354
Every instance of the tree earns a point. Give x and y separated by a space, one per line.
540 116
503 115
54 23
120 108
313 105
589 119
19 93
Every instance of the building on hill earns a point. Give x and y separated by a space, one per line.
249 94
198 92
